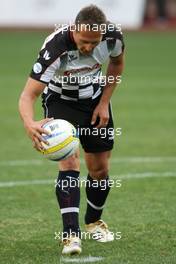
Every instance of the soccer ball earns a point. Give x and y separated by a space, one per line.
62 138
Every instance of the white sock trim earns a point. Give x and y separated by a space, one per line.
70 210
94 206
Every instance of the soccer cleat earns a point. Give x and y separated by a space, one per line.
99 231
72 245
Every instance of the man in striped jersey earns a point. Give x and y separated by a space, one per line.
68 75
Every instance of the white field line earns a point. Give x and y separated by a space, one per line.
143 175
24 183
88 259
38 162
148 174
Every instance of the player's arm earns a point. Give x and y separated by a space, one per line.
114 70
31 92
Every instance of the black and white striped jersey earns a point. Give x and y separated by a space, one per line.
68 72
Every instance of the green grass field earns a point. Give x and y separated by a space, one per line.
144 157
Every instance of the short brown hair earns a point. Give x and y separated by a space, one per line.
90 15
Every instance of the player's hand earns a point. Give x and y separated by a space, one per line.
34 130
101 111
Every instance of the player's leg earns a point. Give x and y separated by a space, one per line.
97 190
97 147
97 153
67 186
98 165
68 196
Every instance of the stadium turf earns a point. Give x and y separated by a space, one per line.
143 209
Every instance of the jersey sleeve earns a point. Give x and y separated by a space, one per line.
115 40
48 61
118 48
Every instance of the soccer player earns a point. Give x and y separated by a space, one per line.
68 75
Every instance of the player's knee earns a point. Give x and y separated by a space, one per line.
72 163
99 174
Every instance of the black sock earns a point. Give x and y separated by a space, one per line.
97 192
68 196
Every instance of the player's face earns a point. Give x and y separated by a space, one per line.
87 40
